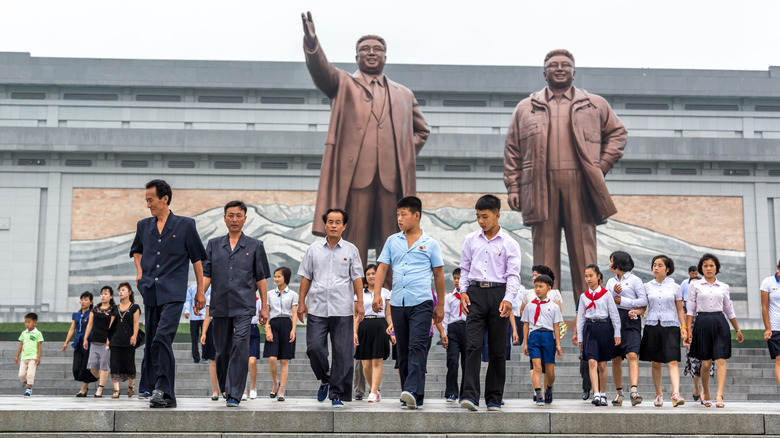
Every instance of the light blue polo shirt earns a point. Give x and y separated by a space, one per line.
412 268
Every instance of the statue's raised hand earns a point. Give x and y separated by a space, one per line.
308 29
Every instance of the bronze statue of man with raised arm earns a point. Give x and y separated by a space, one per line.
561 143
376 131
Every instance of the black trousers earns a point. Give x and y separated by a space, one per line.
584 372
231 341
143 385
339 375
484 316
161 325
412 325
456 333
196 327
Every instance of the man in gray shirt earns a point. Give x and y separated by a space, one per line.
236 267
332 276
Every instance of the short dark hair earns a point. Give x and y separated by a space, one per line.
286 273
456 271
162 188
595 268
239 204
693 268
668 262
413 203
488 202
621 261
369 266
544 279
344 215
714 259
543 270
88 294
557 52
32 315
370 37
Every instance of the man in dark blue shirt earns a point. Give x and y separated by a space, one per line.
163 248
236 267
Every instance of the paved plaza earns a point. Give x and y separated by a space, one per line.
56 416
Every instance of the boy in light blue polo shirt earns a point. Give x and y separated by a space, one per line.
413 256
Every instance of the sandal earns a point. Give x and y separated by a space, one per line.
115 394
705 400
618 401
130 391
659 400
101 392
635 397
281 394
677 400
274 391
719 404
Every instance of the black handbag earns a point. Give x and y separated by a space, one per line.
140 339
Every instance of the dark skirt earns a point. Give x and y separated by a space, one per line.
254 341
80 371
209 350
373 341
598 341
711 337
281 347
122 363
774 345
660 344
630 334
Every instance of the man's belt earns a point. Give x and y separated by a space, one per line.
485 284
597 319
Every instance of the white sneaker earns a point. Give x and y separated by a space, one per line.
243 397
373 398
252 394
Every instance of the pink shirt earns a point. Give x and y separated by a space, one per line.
706 297
496 261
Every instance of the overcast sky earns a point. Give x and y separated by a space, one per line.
715 34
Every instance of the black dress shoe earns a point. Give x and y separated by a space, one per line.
358 397
81 394
585 395
159 400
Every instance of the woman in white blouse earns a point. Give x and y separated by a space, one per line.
664 325
709 302
372 341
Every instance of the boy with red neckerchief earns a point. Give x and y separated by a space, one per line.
598 329
542 337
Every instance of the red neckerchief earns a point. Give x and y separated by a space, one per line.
460 307
538 308
593 297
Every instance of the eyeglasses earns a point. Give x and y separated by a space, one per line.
556 66
368 49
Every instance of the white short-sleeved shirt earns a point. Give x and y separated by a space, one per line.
772 286
632 295
368 299
662 303
258 307
549 315
281 303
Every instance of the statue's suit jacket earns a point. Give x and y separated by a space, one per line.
350 109
599 137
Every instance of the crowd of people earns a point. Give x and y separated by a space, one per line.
345 302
